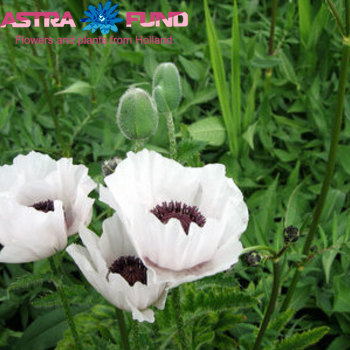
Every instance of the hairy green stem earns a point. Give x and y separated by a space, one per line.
139 144
179 320
268 72
171 134
122 328
271 306
258 247
347 17
64 300
329 171
272 27
336 16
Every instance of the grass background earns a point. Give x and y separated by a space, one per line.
271 132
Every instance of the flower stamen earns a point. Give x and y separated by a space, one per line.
44 206
186 214
130 268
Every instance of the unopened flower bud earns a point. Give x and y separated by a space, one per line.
290 234
253 258
137 115
109 166
167 91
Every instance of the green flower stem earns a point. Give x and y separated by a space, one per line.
336 16
258 247
272 27
329 171
176 292
122 328
179 319
69 317
171 134
139 144
271 306
347 17
268 72
281 252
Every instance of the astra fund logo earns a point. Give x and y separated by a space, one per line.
102 17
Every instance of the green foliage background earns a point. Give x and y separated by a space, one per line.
279 142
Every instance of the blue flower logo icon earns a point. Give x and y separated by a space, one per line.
102 17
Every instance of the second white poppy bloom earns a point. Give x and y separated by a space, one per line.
42 202
111 265
185 222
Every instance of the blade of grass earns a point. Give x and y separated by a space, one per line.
220 80
249 113
304 9
236 72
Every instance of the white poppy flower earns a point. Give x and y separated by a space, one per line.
111 265
42 202
185 223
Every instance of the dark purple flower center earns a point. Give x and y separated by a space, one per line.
131 268
186 214
44 206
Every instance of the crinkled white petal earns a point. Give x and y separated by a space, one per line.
224 258
34 165
235 217
28 234
9 178
71 184
115 241
91 242
168 246
148 179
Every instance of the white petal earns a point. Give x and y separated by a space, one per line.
34 165
71 184
235 219
25 169
114 241
9 178
215 191
106 196
168 246
140 315
148 179
91 242
224 258
23 228
82 258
